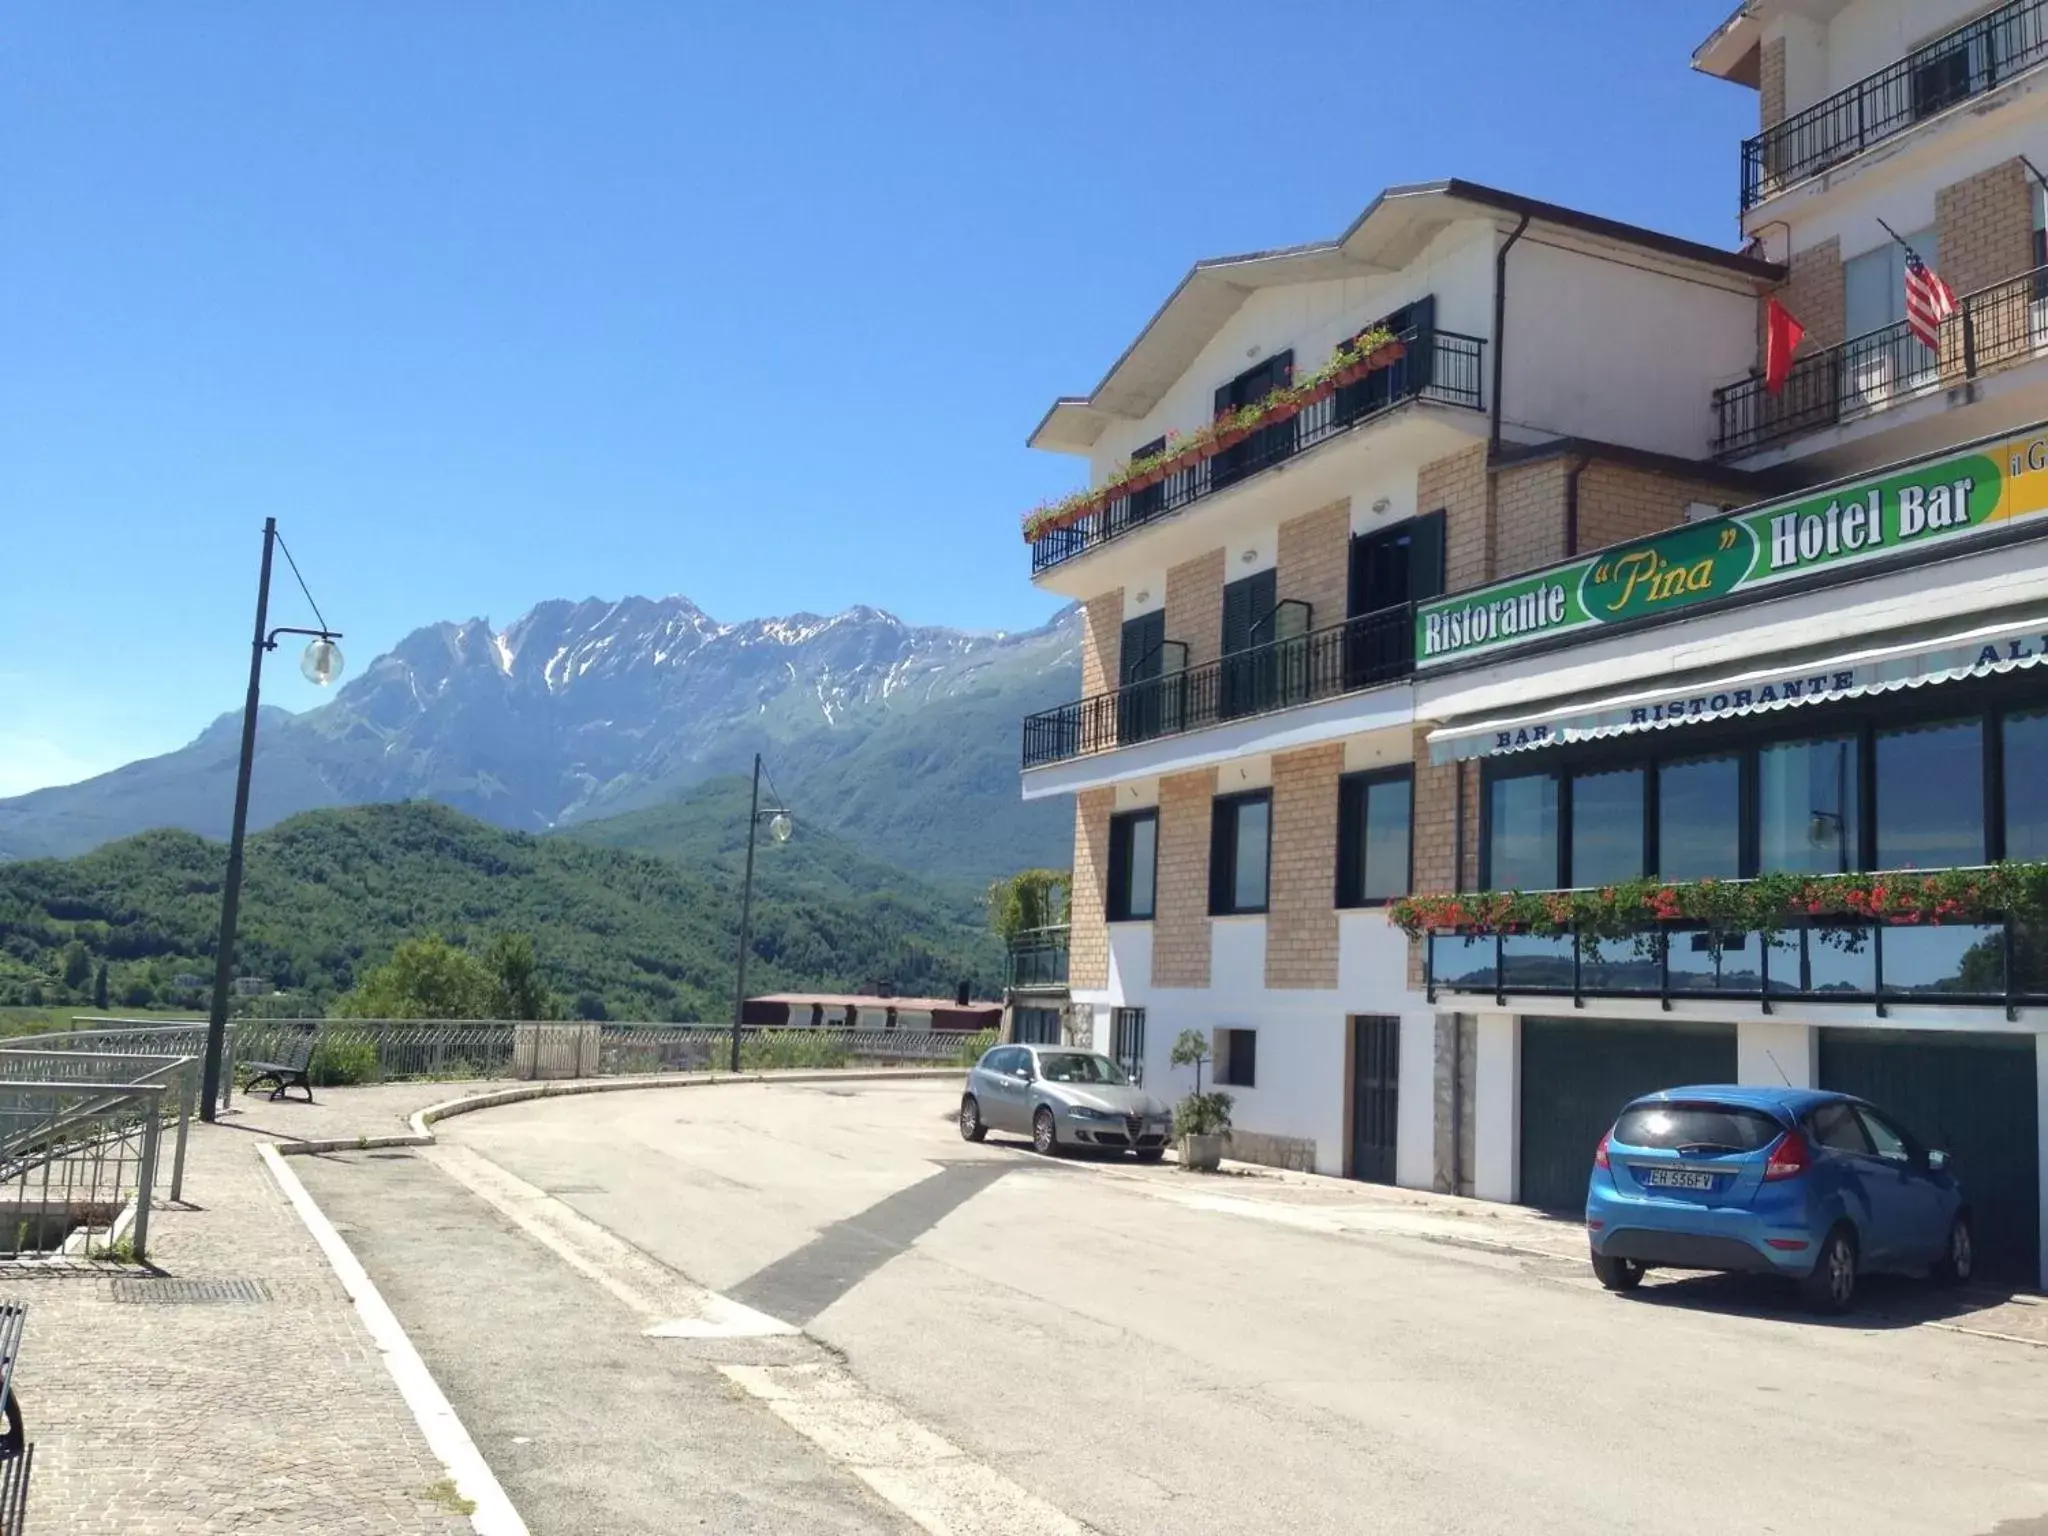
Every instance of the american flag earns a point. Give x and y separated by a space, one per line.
1929 300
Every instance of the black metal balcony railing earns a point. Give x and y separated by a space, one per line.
1443 366
1992 328
1967 62
1038 958
1999 964
1364 652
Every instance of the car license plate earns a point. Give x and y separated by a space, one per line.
1678 1178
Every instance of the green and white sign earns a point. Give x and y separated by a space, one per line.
1919 505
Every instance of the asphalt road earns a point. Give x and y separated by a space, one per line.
1161 1355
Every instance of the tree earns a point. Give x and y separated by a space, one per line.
99 986
77 965
425 978
1031 898
521 994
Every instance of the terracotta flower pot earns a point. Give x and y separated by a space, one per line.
1387 354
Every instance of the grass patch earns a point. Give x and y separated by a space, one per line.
443 1494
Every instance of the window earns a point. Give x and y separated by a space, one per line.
1127 1041
2026 814
1249 675
1373 817
1807 821
1269 445
1151 501
1133 860
1890 1141
1036 1026
1706 1126
1239 843
1874 284
1607 827
1836 1127
1079 1067
1930 796
1237 1057
1699 819
1521 833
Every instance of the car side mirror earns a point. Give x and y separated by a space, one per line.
1937 1160
1022 1073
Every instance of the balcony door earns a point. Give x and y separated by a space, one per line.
1882 359
1249 680
1262 448
1140 702
1391 570
1414 325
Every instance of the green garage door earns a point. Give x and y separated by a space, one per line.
1974 1097
1576 1075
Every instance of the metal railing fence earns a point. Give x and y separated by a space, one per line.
73 1155
1969 61
1441 366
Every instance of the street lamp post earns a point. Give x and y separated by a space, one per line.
778 829
321 664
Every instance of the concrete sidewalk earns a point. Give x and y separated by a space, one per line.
272 1412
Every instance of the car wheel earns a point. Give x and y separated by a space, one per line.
1045 1136
1959 1260
1831 1285
1151 1154
1618 1274
971 1128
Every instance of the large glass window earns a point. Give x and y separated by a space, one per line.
1521 833
1240 836
1930 796
1133 858
1607 827
1807 807
1699 819
2026 811
1373 816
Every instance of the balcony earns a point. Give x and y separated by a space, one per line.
1993 328
1970 61
2001 963
1440 366
1361 653
1038 960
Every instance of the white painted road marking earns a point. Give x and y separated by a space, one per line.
942 1488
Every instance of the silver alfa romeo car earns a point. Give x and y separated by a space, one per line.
1063 1097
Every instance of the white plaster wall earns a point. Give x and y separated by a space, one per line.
1130 959
1372 977
1770 1053
1312 317
1864 37
1497 1107
1618 352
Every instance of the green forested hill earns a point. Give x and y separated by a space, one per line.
330 891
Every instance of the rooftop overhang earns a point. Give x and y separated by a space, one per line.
1732 53
1391 234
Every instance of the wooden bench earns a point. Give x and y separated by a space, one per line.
292 1069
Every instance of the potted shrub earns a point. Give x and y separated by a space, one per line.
1201 1120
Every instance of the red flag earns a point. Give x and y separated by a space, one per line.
1929 300
1782 335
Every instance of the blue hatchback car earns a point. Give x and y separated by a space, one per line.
1818 1187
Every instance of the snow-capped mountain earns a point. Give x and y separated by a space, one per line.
901 737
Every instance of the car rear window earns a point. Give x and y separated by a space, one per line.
1725 1127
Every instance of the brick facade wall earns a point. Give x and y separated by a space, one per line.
1815 295
1435 832
1087 901
1194 606
1457 486
1618 502
1301 921
1315 562
1102 631
1986 227
1771 84
1528 517
1180 930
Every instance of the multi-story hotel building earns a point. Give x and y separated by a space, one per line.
1560 596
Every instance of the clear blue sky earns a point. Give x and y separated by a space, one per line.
491 301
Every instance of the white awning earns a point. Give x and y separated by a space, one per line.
1979 652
